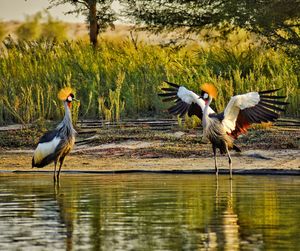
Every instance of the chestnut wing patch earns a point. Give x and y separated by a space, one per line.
267 110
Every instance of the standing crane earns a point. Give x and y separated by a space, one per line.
54 145
223 128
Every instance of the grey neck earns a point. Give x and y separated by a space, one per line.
68 115
66 125
205 118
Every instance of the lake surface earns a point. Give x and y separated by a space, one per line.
149 212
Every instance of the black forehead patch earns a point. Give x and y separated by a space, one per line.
72 95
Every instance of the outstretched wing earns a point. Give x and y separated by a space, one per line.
253 107
185 100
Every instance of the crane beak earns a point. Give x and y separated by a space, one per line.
75 99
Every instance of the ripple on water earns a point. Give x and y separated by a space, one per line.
149 212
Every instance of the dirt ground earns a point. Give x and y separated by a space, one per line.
264 151
260 160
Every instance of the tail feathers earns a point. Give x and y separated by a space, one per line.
32 163
44 162
236 149
38 165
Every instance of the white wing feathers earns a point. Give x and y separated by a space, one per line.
237 103
184 101
241 111
186 95
45 149
190 97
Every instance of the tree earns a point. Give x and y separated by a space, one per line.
99 14
277 20
31 28
54 29
40 27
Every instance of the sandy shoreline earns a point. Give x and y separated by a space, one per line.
135 149
248 162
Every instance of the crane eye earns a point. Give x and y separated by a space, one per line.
205 96
70 98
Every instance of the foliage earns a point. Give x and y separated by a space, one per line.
128 76
278 21
112 110
38 27
31 28
54 29
99 14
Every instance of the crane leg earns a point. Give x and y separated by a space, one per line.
215 157
54 173
230 162
61 161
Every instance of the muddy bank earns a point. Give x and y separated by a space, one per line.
259 160
142 148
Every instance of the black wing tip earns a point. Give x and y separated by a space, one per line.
172 84
272 97
270 91
169 99
169 89
167 94
274 102
271 106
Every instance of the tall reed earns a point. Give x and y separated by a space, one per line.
125 77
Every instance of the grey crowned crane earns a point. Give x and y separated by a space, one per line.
54 145
221 129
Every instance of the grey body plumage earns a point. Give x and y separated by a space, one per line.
217 135
55 145
215 132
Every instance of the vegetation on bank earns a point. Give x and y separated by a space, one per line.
174 142
121 78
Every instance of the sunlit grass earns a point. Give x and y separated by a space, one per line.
122 79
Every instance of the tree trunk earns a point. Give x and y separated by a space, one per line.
93 23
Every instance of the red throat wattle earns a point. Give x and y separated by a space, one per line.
70 104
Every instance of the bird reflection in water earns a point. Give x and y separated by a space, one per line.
230 224
225 232
67 214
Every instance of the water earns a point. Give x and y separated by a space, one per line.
149 212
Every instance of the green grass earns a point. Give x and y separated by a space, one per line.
119 79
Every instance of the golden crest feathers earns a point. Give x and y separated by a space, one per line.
64 93
210 89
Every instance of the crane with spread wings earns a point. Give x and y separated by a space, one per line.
221 129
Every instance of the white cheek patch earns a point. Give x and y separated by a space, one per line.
205 96
70 98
